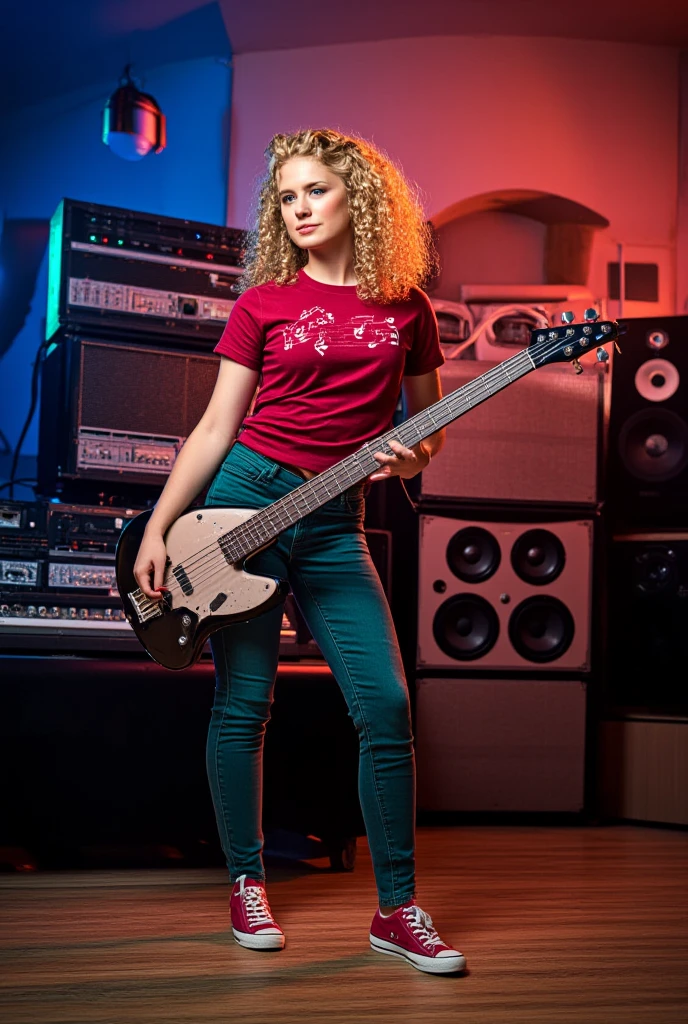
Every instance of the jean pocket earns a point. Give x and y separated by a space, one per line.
244 464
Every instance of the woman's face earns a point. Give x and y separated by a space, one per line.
314 204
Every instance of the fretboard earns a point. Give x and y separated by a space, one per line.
266 524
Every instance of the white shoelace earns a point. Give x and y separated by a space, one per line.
257 907
420 924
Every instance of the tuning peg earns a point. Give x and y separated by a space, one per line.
568 317
577 366
602 355
591 314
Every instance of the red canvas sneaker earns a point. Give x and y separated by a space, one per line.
409 933
252 921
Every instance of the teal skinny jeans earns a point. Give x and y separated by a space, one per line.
325 558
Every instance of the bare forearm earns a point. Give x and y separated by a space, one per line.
194 467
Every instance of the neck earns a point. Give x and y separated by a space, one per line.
334 267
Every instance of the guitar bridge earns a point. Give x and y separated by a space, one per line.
144 607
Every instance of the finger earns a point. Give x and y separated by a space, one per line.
159 571
144 581
401 451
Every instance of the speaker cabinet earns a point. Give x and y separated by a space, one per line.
117 411
500 744
504 595
643 769
647 472
647 618
534 442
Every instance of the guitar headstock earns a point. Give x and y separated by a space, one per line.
566 344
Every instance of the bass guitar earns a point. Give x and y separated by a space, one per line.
207 583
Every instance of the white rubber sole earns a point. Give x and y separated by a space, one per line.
428 964
270 941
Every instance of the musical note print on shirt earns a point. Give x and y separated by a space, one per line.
318 326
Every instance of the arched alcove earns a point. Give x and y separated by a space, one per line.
514 236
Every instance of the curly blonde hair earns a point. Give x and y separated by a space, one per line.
393 248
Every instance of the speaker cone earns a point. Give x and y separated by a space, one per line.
538 557
657 380
653 445
466 627
541 629
473 554
655 570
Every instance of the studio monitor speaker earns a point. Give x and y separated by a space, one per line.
647 648
534 442
504 596
500 744
647 471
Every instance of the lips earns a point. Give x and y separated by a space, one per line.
307 228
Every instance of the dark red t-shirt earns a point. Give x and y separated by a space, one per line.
331 365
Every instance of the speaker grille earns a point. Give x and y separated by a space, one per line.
143 390
536 441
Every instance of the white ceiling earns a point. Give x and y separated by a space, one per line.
53 47
276 24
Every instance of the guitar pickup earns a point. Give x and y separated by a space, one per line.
179 573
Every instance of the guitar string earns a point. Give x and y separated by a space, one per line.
246 530
206 558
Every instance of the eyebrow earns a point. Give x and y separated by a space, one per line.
310 185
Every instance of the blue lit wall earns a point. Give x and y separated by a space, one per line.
56 151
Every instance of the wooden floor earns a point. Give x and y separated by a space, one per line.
558 925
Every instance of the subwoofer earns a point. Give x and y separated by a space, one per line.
648 622
647 470
504 596
534 443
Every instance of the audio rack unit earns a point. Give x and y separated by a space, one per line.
115 270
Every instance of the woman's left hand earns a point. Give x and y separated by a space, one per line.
405 462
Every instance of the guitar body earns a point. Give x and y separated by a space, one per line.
174 631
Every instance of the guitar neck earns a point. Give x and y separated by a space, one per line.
266 524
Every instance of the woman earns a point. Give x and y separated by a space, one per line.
330 321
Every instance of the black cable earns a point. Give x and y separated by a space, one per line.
34 399
24 480
6 447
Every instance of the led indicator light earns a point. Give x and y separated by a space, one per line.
105 240
120 241
209 256
93 238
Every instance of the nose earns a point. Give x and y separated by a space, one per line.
302 207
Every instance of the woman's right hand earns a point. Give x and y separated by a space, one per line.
149 567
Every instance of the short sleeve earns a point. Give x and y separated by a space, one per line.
243 337
425 354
